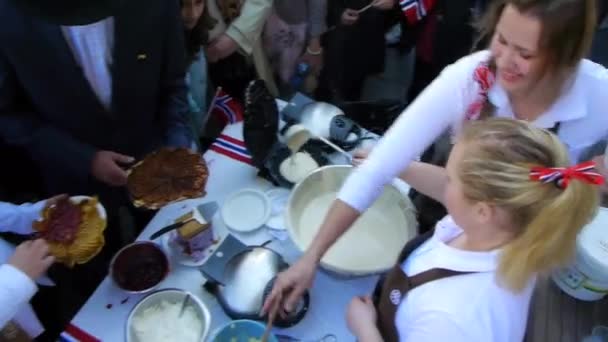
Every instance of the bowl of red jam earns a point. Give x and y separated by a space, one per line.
139 267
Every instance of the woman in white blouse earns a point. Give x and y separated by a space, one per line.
534 70
20 268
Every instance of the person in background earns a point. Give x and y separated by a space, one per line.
111 90
107 94
19 271
355 47
197 24
534 70
292 35
515 208
235 52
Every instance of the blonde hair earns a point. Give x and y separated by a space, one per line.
496 170
568 28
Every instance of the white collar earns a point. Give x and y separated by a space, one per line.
569 106
458 259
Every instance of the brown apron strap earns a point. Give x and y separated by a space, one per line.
12 332
413 244
392 288
431 275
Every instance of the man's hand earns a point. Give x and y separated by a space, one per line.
106 167
222 47
32 258
349 16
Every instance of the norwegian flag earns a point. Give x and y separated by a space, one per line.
415 10
225 108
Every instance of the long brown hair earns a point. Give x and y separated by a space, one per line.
198 37
496 170
567 32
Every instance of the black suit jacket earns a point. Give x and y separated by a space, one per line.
48 107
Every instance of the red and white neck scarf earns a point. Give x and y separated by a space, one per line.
484 77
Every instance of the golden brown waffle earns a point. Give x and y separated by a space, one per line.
166 176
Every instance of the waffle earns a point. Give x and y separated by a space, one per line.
166 176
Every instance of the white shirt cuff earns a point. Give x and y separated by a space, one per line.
16 289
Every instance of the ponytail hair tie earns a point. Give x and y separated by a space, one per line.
561 176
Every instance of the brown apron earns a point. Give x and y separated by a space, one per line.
12 332
393 288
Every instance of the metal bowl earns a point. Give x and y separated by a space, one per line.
133 261
173 296
241 331
372 245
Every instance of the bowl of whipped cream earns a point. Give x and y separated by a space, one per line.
166 315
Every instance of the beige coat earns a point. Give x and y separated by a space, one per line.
246 30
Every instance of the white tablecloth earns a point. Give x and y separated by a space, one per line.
229 172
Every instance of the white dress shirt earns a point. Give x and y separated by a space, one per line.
582 111
467 308
16 288
92 48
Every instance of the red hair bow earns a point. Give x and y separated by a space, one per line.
562 176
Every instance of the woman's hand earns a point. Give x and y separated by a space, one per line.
360 156
361 318
314 59
290 285
32 258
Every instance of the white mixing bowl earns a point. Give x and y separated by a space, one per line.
373 243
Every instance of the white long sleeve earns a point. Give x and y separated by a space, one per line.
19 218
16 290
439 106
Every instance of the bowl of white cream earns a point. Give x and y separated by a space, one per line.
158 317
375 240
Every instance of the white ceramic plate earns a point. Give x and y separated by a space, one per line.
100 209
246 210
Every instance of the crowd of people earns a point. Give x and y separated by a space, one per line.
87 89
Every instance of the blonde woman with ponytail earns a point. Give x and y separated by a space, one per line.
534 69
514 207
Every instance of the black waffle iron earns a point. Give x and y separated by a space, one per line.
241 277
260 134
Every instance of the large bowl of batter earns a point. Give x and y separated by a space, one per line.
372 244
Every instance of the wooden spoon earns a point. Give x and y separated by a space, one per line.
271 315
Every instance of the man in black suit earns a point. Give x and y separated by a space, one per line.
86 88
86 100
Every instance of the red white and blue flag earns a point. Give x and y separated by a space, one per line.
415 10
562 176
232 148
225 108
74 334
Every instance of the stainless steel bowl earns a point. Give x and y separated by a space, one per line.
375 241
133 259
174 296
